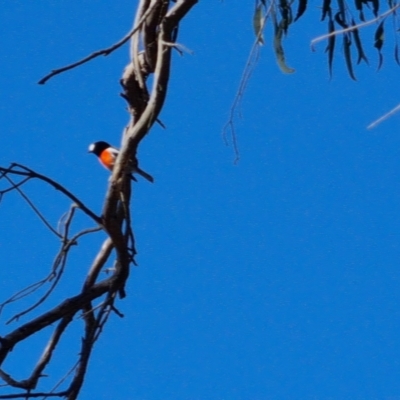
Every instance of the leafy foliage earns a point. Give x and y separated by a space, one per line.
341 18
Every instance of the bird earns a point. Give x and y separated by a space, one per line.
107 155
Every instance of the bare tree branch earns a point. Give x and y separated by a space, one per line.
102 52
152 41
32 174
33 395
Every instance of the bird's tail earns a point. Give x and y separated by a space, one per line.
144 174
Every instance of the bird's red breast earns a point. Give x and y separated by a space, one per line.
107 158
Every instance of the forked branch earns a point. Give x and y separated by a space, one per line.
152 42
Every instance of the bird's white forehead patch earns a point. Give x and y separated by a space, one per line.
91 147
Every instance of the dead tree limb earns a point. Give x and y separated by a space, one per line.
153 39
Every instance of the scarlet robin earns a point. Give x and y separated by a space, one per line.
107 155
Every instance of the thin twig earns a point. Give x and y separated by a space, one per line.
59 383
10 189
235 107
30 203
66 221
24 292
102 52
48 352
381 119
61 259
35 286
244 80
31 173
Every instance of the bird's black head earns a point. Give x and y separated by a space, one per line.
98 147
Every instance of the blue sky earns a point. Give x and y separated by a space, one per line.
276 278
